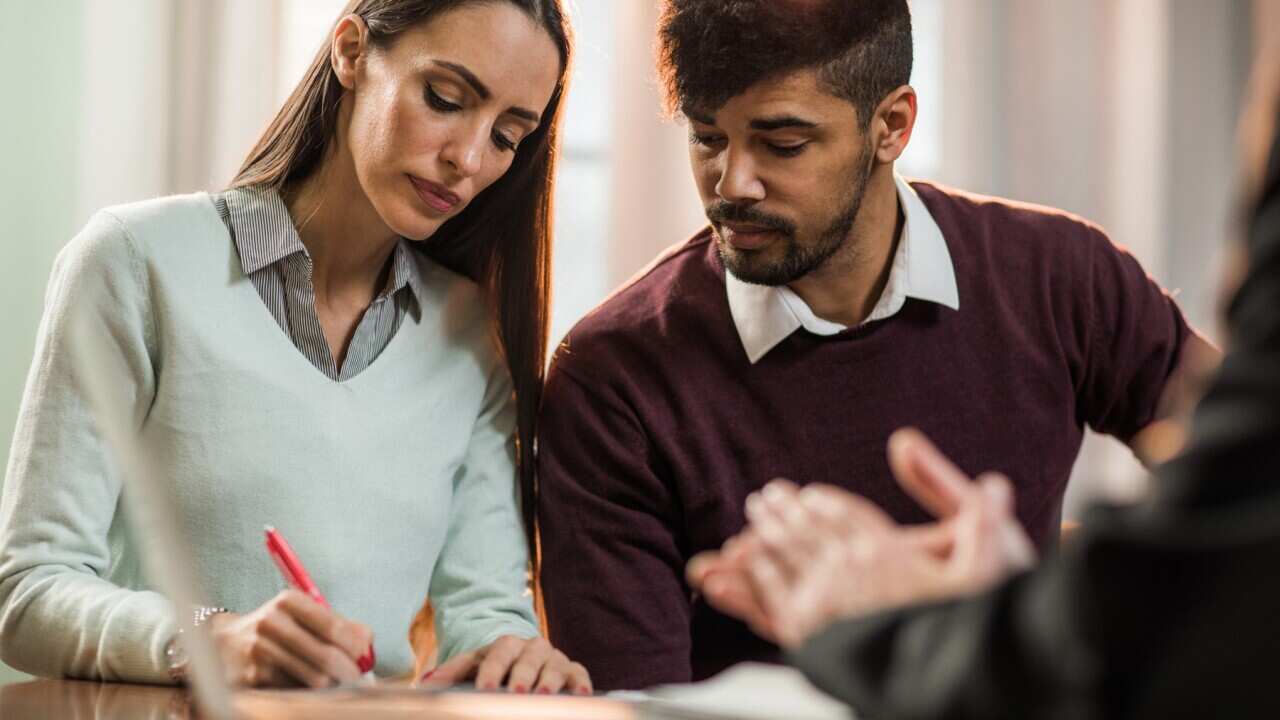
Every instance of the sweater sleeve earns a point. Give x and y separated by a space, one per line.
59 616
613 570
1135 340
479 589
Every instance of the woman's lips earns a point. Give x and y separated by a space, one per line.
435 195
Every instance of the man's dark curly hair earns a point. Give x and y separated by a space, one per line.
712 50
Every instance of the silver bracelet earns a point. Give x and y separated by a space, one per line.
175 654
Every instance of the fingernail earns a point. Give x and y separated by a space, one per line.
519 689
544 691
426 675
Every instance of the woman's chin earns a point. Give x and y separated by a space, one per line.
414 224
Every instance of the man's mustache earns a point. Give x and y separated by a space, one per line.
723 212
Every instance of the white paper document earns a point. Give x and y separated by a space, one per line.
747 691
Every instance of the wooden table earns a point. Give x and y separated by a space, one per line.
81 700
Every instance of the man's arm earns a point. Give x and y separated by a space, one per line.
612 569
1196 362
1145 363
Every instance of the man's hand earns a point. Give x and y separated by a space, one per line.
812 556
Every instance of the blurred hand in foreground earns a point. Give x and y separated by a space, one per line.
815 555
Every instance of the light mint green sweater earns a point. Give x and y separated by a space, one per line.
394 484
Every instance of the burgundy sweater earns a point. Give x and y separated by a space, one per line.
656 427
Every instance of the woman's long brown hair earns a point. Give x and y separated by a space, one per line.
503 238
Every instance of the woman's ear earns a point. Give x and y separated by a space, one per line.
350 41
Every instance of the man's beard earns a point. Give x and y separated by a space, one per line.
798 260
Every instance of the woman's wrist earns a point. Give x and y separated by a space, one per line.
175 654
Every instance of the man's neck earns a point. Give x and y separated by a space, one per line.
846 288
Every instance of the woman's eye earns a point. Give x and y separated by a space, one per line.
503 142
439 103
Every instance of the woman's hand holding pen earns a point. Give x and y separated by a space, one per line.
291 640
519 664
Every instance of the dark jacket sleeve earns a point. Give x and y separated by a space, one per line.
1162 610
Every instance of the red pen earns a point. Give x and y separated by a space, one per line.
298 578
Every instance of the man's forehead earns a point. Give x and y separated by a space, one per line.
796 93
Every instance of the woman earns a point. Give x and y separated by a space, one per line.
343 345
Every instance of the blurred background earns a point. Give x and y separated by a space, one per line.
1121 111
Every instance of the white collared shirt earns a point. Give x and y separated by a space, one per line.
922 269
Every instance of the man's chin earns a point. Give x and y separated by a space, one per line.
750 266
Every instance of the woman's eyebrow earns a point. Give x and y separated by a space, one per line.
483 90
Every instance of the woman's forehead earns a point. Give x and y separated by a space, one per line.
510 55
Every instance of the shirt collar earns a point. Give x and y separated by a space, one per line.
405 271
922 269
263 230
265 234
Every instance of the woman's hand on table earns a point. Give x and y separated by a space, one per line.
518 664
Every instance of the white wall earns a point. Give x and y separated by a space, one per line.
38 180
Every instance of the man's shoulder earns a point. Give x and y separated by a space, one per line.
964 209
680 288
987 229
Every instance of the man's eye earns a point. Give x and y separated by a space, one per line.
787 150
705 139
439 103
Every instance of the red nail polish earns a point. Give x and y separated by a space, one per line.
519 689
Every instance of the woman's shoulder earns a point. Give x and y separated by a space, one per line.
454 307
445 287
118 242
129 232
163 214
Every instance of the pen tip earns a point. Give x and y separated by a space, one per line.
269 528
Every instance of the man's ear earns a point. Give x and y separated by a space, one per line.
350 42
892 123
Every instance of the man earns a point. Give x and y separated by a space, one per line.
1162 610
829 303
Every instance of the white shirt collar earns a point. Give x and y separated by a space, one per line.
922 269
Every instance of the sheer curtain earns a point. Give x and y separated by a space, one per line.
1121 112
177 91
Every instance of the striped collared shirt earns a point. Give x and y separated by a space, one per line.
279 266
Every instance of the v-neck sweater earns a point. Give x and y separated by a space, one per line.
391 486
